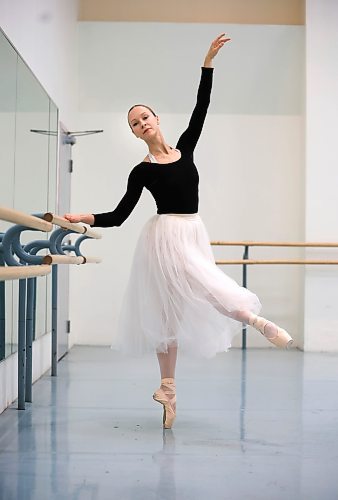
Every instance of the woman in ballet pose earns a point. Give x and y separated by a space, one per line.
176 295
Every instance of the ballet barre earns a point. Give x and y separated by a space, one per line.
58 256
65 224
51 259
277 261
12 269
18 261
23 272
245 261
276 244
17 217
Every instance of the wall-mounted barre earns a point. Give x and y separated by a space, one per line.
17 217
92 260
301 244
246 261
23 272
277 261
65 224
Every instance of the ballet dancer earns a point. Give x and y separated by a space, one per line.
176 296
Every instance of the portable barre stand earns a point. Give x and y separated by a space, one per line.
21 262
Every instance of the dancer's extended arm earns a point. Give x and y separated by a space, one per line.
123 209
188 140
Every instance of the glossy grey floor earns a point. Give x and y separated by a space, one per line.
260 425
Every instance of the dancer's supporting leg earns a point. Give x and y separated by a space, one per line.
166 394
167 362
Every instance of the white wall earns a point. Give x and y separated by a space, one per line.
44 32
253 140
321 180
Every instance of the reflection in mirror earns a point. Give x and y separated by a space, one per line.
8 66
31 166
28 173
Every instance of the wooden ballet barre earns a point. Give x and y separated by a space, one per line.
23 272
65 224
277 261
92 260
16 217
274 244
62 259
69 259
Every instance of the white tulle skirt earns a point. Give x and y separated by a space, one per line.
177 295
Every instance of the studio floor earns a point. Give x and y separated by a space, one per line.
256 425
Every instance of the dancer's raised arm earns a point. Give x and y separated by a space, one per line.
188 140
214 48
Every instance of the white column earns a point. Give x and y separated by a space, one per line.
321 178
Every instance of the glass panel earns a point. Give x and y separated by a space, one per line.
31 165
28 176
8 63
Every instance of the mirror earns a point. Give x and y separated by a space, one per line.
28 173
8 62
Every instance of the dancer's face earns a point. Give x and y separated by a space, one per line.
143 123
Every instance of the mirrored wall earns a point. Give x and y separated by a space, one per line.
28 176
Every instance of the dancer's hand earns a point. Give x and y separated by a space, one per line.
86 218
215 46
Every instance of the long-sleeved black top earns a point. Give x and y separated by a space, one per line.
173 185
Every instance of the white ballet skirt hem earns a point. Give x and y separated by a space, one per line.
176 294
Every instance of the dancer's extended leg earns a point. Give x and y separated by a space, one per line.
166 393
278 336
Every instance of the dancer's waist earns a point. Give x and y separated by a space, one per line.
185 216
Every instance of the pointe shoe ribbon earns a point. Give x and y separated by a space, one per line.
281 339
166 396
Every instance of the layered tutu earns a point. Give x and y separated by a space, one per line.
177 294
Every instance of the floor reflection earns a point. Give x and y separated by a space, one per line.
243 396
165 460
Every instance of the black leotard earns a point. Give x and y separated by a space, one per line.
173 185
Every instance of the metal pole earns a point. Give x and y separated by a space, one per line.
244 282
2 308
54 319
2 320
29 339
22 345
34 307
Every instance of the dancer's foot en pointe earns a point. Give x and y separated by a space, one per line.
166 395
276 335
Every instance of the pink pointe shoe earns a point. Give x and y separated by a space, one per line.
280 339
166 395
